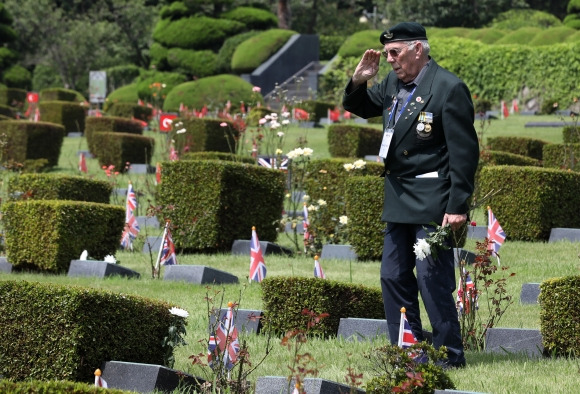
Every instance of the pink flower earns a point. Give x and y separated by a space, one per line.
473 224
256 89
223 124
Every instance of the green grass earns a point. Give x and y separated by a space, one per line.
532 262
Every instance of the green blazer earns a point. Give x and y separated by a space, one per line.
427 174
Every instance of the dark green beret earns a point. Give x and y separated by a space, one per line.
404 31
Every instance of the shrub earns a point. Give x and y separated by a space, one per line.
118 76
60 94
347 140
121 149
252 18
110 123
197 64
329 46
223 62
218 156
175 10
204 134
518 18
284 299
149 83
486 35
39 386
13 97
523 146
158 54
571 134
317 109
17 77
52 332
552 36
213 91
7 57
494 157
357 43
70 115
124 94
131 111
59 187
216 202
45 235
521 36
563 156
7 111
559 311
256 50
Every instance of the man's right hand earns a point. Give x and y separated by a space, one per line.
367 68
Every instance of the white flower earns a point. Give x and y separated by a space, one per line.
422 249
163 85
305 197
110 259
180 131
280 134
295 153
285 122
349 166
256 89
274 124
307 151
291 154
312 208
343 220
285 114
359 164
321 202
223 124
268 117
179 312
287 195
84 255
279 151
274 115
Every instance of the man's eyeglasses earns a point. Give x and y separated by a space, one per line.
395 52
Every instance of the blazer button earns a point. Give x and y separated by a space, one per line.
405 152
388 171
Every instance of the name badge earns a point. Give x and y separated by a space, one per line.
387 137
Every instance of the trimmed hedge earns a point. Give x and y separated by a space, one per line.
284 299
212 203
218 156
559 316
533 201
45 235
256 50
44 387
13 97
32 141
571 134
124 94
203 134
498 158
122 149
110 124
348 140
60 94
563 156
69 114
252 18
7 111
199 64
223 63
59 187
54 332
523 146
131 111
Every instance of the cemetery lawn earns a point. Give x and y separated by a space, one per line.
490 373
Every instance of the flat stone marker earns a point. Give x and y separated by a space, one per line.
514 340
5 266
477 232
198 274
545 124
242 247
361 120
99 269
152 244
339 252
374 158
88 155
352 328
146 221
141 169
306 124
527 113
245 320
463 254
299 227
530 293
456 391
147 378
74 134
120 191
492 114
561 234
279 385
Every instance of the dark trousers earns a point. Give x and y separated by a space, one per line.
435 281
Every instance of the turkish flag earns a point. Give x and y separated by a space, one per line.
300 114
165 121
32 97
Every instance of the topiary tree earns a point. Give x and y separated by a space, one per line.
518 18
254 51
573 18
252 18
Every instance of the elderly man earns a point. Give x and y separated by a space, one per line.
430 150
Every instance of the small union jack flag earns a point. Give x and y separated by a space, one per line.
318 272
406 336
212 349
273 162
467 297
257 264
495 234
227 338
168 251
130 208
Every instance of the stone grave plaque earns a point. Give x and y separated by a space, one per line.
120 191
145 221
141 169
74 134
477 232
198 274
374 158
463 254
152 244
351 328
279 385
99 269
514 340
5 266
530 293
147 378
299 227
561 234
242 247
245 320
339 252
360 121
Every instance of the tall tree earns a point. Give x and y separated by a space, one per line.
284 15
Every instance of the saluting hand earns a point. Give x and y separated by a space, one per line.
367 68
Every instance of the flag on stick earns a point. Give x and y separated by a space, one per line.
495 234
168 249
406 336
514 108
466 295
318 273
99 381
82 163
504 110
158 174
306 224
227 338
257 264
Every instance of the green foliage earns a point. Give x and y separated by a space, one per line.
31 141
357 43
122 75
54 387
110 123
207 155
255 114
130 110
199 32
212 91
284 299
364 197
45 235
517 18
7 57
571 134
148 85
348 140
496 157
7 111
58 187
399 371
317 109
69 114
17 77
559 313
329 46
60 94
122 149
197 64
256 50
252 18
563 156
55 332
7 33
13 97
45 77
223 62
203 134
204 199
572 21
523 146
573 7
529 213
521 36
175 10
124 94
552 36
158 55
486 35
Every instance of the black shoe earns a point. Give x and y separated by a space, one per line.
445 364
